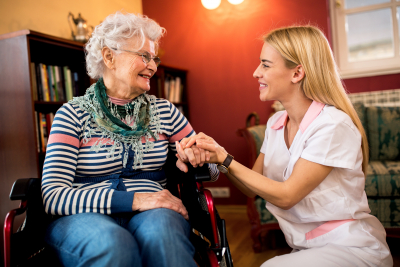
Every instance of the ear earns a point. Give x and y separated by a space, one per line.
298 74
108 57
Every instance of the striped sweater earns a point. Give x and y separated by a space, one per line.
78 180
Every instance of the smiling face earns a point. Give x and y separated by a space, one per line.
130 76
274 77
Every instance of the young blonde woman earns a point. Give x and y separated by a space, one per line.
312 165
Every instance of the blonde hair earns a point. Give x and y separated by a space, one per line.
307 46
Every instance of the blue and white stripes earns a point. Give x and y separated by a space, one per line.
77 180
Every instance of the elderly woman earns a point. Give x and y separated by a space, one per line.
103 175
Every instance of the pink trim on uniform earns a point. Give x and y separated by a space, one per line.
182 134
312 112
325 228
63 138
281 121
118 101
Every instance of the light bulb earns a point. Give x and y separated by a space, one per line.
211 4
235 2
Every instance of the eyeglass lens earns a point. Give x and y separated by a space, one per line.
147 58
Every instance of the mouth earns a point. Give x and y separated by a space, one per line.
263 85
146 76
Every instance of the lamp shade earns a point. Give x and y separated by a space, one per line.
235 2
211 4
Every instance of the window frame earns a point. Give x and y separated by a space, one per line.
339 40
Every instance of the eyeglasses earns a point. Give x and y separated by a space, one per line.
146 57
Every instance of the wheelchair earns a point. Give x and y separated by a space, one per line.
26 247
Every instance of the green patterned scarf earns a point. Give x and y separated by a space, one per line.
106 119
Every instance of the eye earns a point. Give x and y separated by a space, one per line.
265 66
147 56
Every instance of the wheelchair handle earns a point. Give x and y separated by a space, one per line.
201 174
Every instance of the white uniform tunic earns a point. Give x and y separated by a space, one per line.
334 217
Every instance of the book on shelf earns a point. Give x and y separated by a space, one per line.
43 126
60 83
173 89
171 93
67 83
76 84
37 132
166 88
39 82
50 83
33 81
177 89
53 83
42 131
44 83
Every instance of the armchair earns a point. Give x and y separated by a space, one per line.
261 220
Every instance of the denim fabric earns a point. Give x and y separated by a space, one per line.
158 237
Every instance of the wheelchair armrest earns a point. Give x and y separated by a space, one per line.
201 174
21 187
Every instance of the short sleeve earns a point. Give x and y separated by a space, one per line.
334 144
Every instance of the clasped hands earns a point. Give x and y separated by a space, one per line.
196 150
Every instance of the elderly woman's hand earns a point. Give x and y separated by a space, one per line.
196 156
214 153
162 199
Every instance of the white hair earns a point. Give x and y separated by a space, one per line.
113 32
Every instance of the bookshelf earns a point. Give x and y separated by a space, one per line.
171 83
19 52
19 157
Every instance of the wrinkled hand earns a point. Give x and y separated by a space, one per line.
196 156
162 199
213 151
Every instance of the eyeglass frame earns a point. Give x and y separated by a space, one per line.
144 56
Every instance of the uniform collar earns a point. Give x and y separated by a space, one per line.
312 112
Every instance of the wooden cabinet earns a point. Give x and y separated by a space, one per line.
19 157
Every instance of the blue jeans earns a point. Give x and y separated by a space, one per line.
158 237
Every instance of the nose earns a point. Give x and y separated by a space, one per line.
257 73
152 66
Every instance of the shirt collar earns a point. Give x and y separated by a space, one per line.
313 111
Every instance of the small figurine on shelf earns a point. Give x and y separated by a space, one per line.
82 30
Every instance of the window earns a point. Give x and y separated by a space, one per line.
366 37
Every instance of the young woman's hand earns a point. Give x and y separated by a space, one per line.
190 141
214 152
217 153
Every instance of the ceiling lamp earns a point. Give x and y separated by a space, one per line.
211 4
235 2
